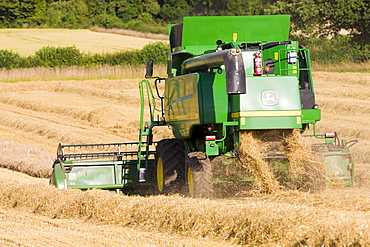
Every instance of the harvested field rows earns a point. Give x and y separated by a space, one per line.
338 217
23 226
345 99
345 102
36 116
73 111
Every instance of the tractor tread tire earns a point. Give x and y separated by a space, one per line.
172 153
201 168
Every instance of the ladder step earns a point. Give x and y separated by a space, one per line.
145 132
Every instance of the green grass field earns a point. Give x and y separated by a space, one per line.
26 41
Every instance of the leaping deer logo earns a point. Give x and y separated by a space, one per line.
270 98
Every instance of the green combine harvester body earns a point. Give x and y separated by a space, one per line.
226 75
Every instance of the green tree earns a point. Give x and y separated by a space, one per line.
143 19
151 7
107 21
27 8
59 56
97 7
132 10
14 13
38 17
204 7
9 59
242 7
324 18
110 7
157 51
8 11
71 14
173 10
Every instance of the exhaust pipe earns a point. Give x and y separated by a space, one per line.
234 66
235 74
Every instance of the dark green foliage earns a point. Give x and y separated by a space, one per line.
9 59
157 51
107 21
124 58
68 14
230 7
336 50
14 13
174 10
321 18
59 56
31 61
146 26
93 59
38 19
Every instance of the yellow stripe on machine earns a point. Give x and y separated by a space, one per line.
265 114
188 117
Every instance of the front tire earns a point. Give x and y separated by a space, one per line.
199 177
169 172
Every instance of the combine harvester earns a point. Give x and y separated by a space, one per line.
226 75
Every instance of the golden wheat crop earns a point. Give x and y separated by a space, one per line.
26 41
127 32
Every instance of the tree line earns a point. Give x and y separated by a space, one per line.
321 17
310 19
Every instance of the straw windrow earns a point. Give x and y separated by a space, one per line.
284 219
306 168
306 172
252 158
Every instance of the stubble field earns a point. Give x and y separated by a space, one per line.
37 115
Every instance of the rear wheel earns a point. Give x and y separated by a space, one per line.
199 178
169 166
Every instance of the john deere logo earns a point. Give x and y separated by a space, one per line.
270 98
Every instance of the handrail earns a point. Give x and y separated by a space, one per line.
144 87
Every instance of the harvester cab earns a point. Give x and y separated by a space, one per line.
227 77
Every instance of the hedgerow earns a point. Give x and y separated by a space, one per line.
71 56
